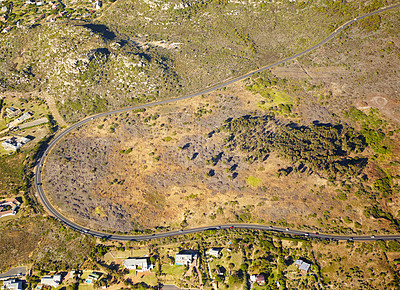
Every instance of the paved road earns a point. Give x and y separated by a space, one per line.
14 272
50 208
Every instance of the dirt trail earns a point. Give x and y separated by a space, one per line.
53 109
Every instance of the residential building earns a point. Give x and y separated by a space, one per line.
185 257
14 144
138 264
98 4
303 266
13 284
24 117
6 30
57 278
49 281
214 252
259 279
93 277
9 207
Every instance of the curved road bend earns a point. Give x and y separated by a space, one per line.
56 214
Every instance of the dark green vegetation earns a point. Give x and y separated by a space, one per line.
324 149
372 129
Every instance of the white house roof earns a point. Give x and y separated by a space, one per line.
302 265
214 251
48 280
305 266
134 262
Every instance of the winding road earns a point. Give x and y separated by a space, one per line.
67 222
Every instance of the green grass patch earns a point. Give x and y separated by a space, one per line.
99 210
173 270
150 280
86 287
274 97
253 181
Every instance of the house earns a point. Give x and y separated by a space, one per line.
24 117
303 266
12 112
4 9
259 279
138 264
49 281
14 144
74 273
57 278
93 277
214 252
8 208
13 284
6 30
185 257
98 4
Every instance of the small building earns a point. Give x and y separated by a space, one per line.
259 279
74 273
6 30
49 281
14 143
24 117
138 264
216 252
303 266
12 112
9 207
93 277
185 257
57 278
98 4
13 284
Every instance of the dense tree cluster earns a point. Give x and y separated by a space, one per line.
324 149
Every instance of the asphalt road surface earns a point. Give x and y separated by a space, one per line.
65 221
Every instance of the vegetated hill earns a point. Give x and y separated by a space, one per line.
143 50
86 68
220 39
